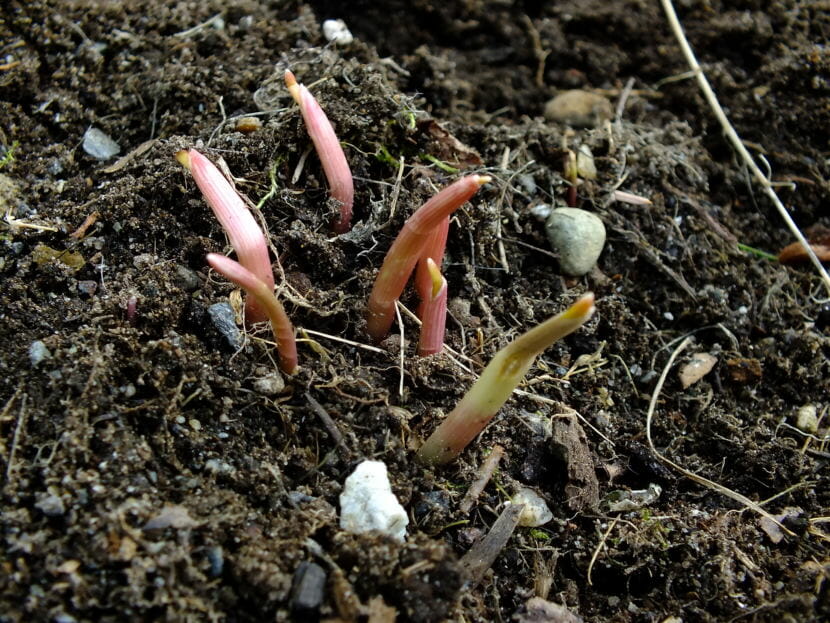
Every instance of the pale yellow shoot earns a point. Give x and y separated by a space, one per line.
498 380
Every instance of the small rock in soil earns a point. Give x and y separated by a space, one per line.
579 109
699 366
308 587
577 237
807 419
38 352
368 505
51 506
99 145
536 512
270 383
223 319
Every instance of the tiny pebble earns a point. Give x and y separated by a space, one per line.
195 424
223 319
87 287
807 419
535 512
579 109
248 125
38 352
577 237
217 560
99 145
337 31
308 587
185 278
51 506
270 384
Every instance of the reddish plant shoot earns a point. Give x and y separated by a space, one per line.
408 248
335 165
236 219
433 312
498 380
434 248
264 295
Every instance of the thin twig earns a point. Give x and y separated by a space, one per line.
598 549
738 145
741 499
484 474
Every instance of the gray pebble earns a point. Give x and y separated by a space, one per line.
38 352
185 278
217 561
222 316
308 587
577 237
99 145
51 506
579 109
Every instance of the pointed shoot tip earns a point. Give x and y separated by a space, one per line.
292 86
483 179
435 276
583 308
183 157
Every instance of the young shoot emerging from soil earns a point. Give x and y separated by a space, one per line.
264 295
501 376
433 312
410 245
243 232
335 166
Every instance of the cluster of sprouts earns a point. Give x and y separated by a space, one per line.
419 248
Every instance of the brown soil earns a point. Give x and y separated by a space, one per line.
140 404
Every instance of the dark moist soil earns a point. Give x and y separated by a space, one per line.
152 472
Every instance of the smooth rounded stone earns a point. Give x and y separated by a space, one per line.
579 109
577 237
99 145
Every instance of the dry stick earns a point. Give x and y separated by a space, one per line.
598 549
485 473
483 554
712 100
741 499
324 416
21 422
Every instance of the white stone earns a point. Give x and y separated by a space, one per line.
536 512
367 503
807 419
337 31
99 145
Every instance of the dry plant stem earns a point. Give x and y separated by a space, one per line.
335 165
498 380
280 324
236 219
741 499
433 313
408 248
483 554
732 134
484 474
